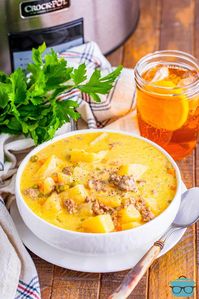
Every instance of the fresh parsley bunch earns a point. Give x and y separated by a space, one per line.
28 99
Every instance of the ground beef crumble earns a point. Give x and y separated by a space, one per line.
67 170
32 192
145 211
89 199
123 182
97 185
129 201
71 206
99 208
114 216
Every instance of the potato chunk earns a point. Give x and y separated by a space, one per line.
136 170
153 205
50 165
78 193
109 201
99 139
98 224
64 178
47 185
80 174
130 214
52 204
130 225
99 156
85 209
83 156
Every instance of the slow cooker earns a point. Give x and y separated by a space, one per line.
25 24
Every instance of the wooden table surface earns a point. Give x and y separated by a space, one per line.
169 24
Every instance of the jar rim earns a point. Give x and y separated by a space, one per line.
166 53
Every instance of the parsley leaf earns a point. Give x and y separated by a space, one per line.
29 102
3 95
79 74
100 85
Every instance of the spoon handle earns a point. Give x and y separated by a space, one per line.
133 277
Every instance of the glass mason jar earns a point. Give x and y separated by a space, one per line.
168 100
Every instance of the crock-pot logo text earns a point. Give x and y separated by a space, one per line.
33 8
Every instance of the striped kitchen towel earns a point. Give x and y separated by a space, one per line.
18 275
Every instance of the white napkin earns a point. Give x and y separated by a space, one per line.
22 280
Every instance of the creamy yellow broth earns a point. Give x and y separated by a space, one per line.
98 182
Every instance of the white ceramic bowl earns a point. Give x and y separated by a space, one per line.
139 238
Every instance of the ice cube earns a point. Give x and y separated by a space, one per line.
186 81
161 74
188 78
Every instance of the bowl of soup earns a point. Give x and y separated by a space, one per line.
98 191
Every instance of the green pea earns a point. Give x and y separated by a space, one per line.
35 186
73 183
60 188
34 158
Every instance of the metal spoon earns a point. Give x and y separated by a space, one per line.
187 215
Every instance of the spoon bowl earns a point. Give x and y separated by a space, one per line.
188 212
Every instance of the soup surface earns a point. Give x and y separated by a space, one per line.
98 182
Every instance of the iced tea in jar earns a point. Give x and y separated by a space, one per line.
168 100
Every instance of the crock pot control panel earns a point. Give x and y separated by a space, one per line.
60 38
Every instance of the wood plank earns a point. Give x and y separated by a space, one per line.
111 281
196 54
176 33
177 262
187 167
45 272
180 260
177 25
146 37
196 36
74 285
116 57
197 225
